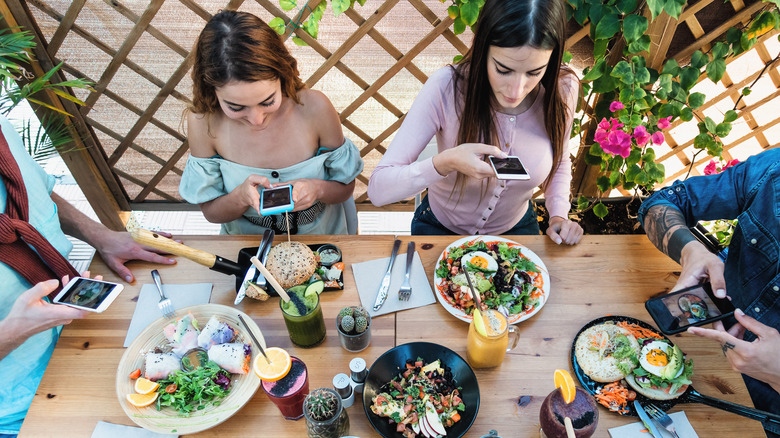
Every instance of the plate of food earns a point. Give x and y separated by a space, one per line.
188 374
619 359
437 392
510 278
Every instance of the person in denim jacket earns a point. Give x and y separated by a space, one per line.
750 276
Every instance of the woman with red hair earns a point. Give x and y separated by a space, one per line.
253 124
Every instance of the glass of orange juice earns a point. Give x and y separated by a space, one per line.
487 344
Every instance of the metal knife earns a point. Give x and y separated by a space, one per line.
262 253
381 295
648 422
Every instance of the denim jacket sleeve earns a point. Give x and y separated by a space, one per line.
721 196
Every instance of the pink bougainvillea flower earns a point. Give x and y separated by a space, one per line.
600 136
615 123
641 135
730 164
711 168
618 143
616 105
665 123
605 124
658 137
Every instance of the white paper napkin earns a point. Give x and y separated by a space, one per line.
181 295
105 430
368 278
634 430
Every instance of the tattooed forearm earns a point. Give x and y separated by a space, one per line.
665 227
726 347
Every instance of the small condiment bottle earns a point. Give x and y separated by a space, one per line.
358 372
342 385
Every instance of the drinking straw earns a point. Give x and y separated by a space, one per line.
277 287
252 335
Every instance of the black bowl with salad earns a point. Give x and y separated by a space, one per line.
410 380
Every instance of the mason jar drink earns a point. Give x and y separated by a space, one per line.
487 345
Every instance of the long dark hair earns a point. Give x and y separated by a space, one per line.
540 24
238 46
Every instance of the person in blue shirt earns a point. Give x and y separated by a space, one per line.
29 323
750 276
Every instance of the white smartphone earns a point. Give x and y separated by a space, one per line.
88 294
508 168
276 200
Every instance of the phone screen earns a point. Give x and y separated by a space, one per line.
85 292
509 168
696 305
277 197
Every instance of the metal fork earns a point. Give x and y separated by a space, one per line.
406 288
662 418
165 303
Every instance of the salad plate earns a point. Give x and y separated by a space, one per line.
517 306
168 420
393 361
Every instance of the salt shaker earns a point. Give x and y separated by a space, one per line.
342 385
358 372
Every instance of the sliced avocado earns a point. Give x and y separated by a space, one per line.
484 285
676 363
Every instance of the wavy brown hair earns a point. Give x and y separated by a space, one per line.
540 24
238 46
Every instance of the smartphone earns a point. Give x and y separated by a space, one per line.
88 294
508 168
276 200
697 305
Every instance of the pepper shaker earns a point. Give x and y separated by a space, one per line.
342 385
358 373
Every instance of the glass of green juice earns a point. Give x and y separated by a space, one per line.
303 317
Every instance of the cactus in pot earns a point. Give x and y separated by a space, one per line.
325 415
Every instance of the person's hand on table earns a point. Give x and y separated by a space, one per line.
757 359
118 247
563 230
699 264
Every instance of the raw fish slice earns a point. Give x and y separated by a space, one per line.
215 332
160 365
233 357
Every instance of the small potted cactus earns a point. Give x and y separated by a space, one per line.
325 415
354 327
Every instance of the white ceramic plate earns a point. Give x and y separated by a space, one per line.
168 420
543 293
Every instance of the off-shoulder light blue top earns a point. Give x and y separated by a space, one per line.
205 179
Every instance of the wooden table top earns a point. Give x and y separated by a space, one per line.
602 275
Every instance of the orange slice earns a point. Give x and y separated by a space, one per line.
278 368
565 383
145 386
141 400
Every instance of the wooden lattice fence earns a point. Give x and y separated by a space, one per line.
371 62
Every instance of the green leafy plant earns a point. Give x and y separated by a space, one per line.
53 135
311 25
632 103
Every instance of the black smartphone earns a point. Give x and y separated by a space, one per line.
276 200
697 305
508 168
88 294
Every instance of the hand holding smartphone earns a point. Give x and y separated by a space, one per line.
508 168
88 294
693 306
276 200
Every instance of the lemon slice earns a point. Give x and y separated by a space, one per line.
141 400
479 322
278 368
145 386
565 383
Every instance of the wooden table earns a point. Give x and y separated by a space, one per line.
600 276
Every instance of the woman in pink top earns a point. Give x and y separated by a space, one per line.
509 95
